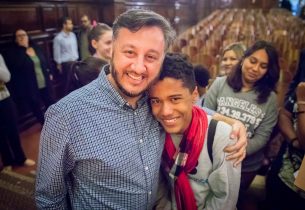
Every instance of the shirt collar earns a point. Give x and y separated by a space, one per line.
114 95
65 34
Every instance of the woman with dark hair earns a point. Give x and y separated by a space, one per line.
30 74
248 95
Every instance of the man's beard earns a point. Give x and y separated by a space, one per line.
114 75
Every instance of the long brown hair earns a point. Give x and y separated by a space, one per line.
268 82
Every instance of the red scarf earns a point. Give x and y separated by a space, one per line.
178 163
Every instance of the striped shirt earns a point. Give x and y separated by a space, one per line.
98 151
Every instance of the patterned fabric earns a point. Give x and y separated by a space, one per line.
292 158
99 150
180 162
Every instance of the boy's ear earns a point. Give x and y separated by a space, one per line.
195 95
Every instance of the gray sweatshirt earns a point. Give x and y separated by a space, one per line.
258 118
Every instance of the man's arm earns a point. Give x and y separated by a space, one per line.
237 151
53 163
56 52
224 180
75 47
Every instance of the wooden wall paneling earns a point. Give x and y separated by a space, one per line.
119 7
185 14
61 12
179 13
72 13
160 8
19 16
107 13
49 53
184 17
50 17
203 9
90 10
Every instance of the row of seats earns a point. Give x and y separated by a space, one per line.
203 42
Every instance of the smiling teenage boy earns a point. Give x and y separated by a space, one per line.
195 180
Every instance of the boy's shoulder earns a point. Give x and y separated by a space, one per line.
221 134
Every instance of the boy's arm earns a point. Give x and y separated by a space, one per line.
224 180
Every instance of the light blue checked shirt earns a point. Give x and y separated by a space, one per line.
98 151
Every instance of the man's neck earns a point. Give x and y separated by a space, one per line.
132 101
66 31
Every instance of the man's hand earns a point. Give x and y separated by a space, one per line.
59 67
237 152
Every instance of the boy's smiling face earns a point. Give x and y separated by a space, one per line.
171 104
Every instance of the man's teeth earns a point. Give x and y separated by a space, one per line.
135 77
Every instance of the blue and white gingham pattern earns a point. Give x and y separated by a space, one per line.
99 151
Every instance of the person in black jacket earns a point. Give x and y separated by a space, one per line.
30 74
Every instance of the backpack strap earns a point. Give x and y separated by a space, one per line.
211 134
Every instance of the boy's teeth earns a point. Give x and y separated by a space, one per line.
170 120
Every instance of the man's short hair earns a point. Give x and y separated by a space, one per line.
202 75
135 19
63 21
176 67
